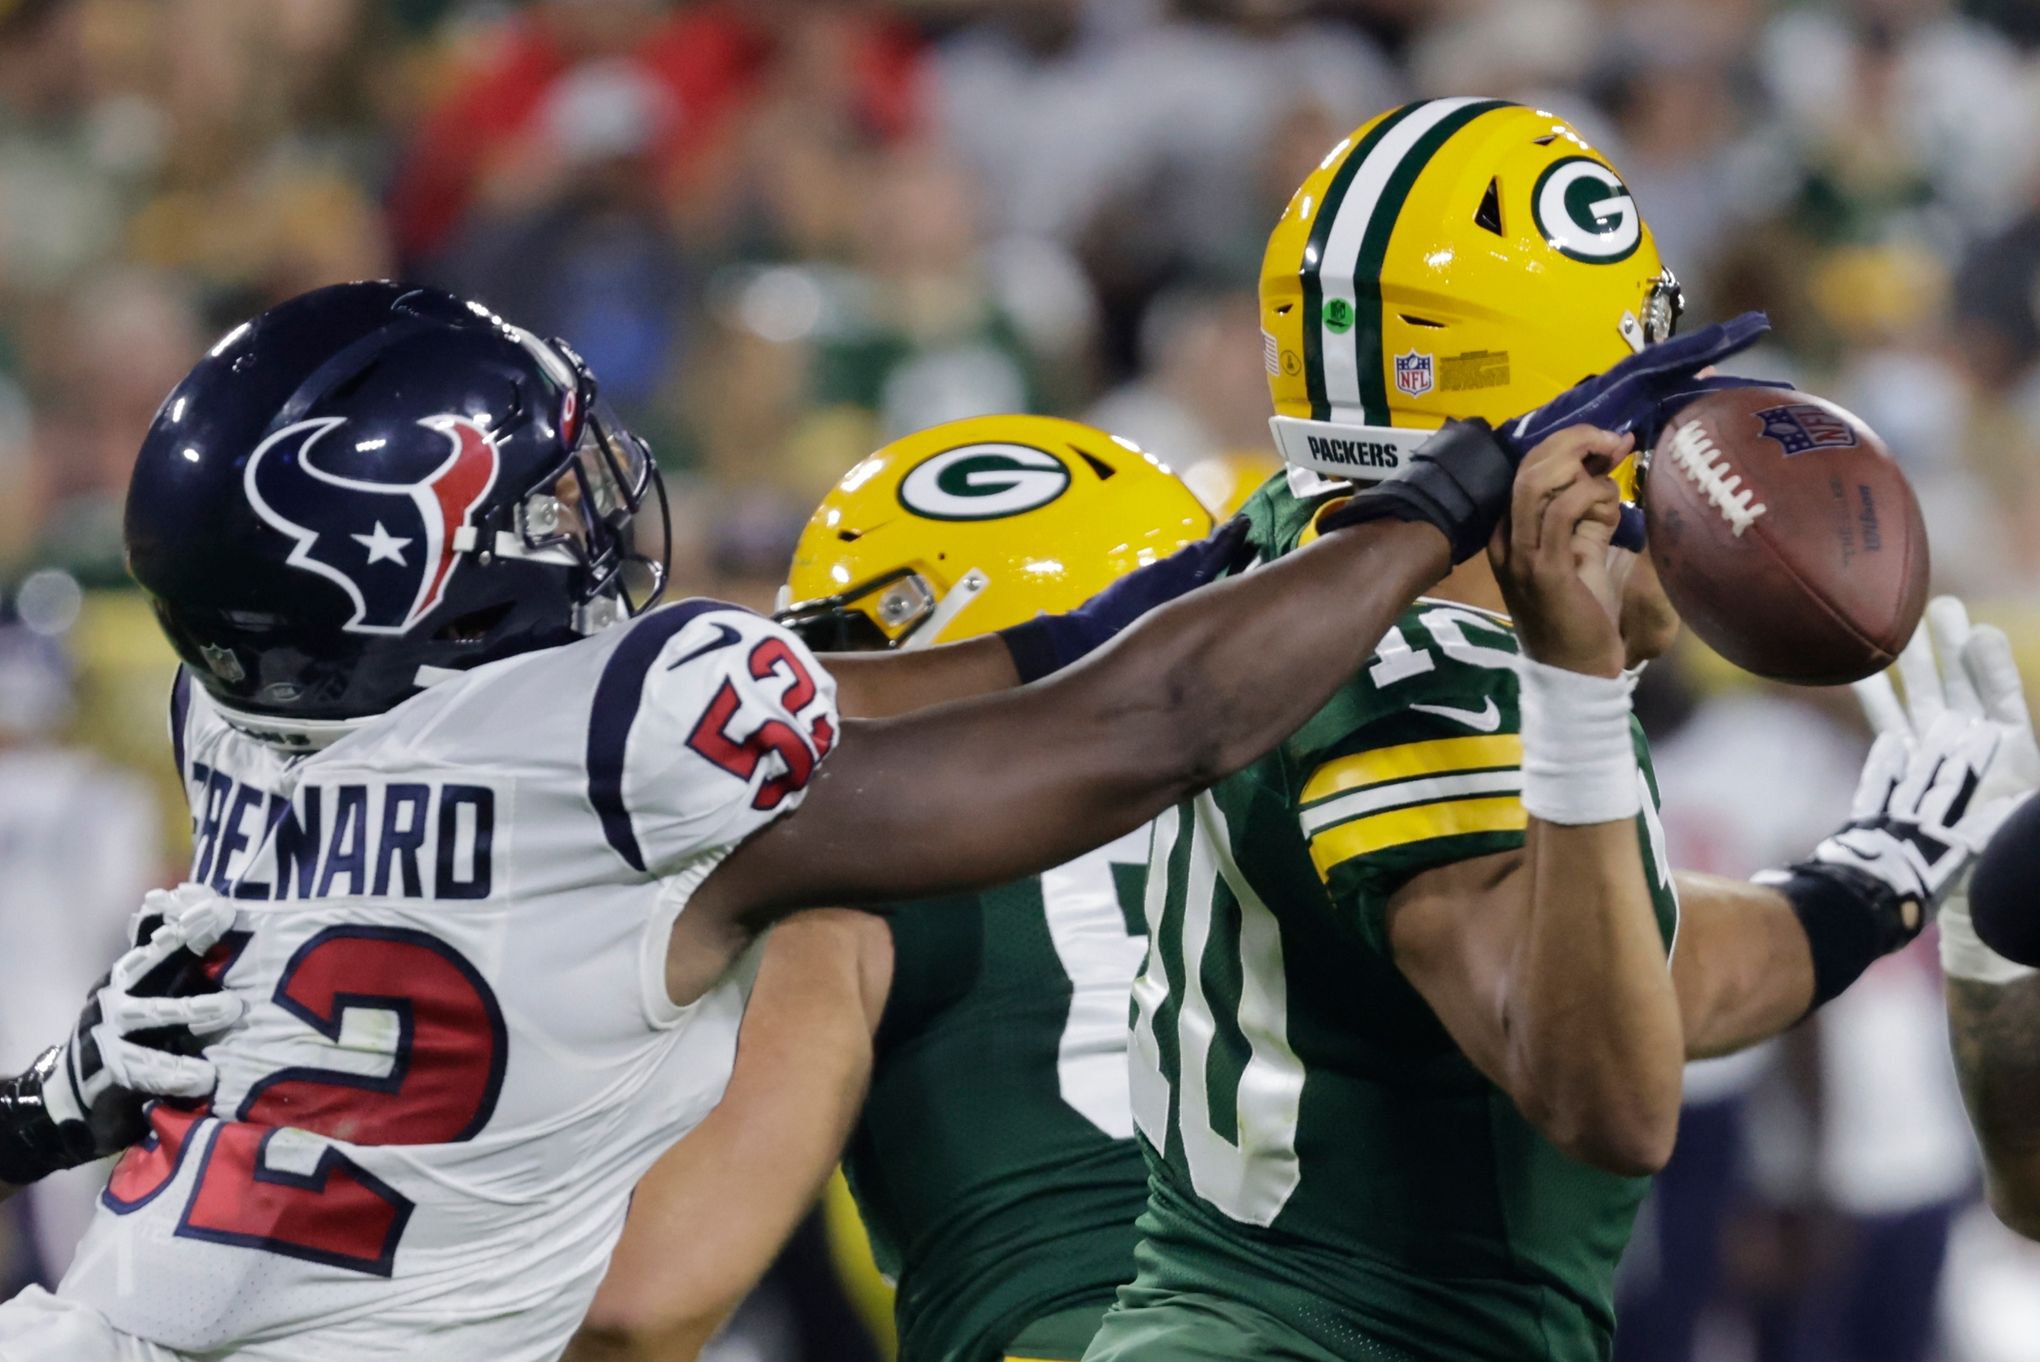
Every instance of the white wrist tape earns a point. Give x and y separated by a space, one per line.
1579 760
1963 954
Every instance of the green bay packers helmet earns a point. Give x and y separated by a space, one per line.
1452 258
975 525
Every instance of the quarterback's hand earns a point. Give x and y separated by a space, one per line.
1638 395
132 1043
1551 556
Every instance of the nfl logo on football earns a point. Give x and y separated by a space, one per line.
1803 426
1413 373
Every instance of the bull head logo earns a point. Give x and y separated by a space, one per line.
388 545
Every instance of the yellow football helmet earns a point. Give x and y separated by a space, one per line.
1451 258
974 525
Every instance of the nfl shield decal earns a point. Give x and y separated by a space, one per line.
1413 373
1801 426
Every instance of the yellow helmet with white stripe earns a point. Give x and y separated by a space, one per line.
975 525
1451 258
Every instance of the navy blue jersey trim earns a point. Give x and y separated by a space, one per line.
617 697
180 710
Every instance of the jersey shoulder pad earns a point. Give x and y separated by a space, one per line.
1416 761
706 723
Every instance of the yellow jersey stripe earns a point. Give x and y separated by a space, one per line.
1399 827
1435 757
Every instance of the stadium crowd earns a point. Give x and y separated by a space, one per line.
784 231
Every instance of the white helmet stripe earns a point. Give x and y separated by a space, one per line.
1352 213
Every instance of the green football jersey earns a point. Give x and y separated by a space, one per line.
1318 1145
995 1163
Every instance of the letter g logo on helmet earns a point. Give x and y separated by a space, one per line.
1586 212
983 482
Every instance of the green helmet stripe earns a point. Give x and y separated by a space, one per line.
1314 252
1358 228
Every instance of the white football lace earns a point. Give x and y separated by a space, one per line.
1698 459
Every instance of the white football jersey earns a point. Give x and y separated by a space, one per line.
459 1055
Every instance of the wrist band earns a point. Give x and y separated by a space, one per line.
1579 758
1851 920
1034 645
1963 954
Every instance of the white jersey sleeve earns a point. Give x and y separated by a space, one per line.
706 725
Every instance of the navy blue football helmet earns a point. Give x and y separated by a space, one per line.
373 485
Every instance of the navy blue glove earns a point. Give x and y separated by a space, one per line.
1048 643
1641 394
1631 396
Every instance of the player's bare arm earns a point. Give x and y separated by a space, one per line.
904 678
1546 965
1995 1029
1993 1000
712 1214
885 685
935 801
1744 968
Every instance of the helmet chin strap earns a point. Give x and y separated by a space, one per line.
292 735
967 589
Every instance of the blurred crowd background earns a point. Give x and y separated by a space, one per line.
783 231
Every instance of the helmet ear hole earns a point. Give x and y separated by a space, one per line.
475 625
1489 214
1099 466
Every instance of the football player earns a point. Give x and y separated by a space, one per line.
499 838
1993 1003
993 1160
1408 1041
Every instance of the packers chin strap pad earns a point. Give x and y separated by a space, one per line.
1459 480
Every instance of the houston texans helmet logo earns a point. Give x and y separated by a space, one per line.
388 545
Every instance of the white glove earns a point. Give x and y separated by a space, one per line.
1915 823
1955 671
109 1068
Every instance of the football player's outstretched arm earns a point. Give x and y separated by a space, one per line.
986 789
1547 966
713 1213
882 685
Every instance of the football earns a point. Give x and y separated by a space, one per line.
1786 535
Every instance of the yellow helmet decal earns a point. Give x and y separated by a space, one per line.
975 525
1450 258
